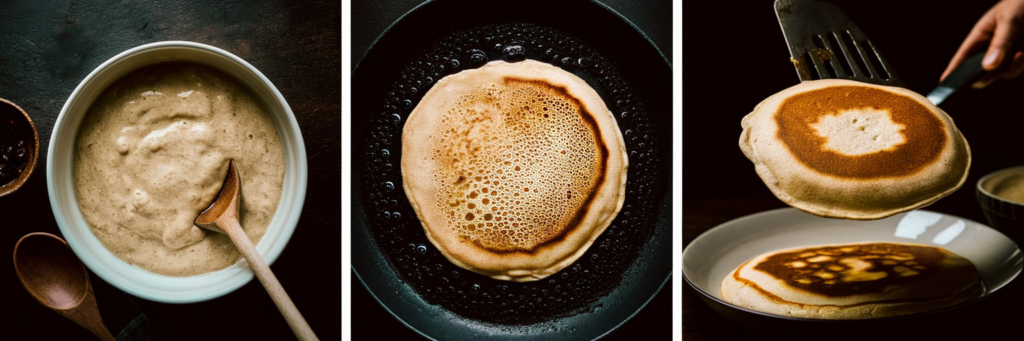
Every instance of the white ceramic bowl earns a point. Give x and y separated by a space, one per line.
135 280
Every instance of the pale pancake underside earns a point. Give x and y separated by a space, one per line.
503 166
868 131
957 281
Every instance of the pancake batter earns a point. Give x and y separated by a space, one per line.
1009 187
152 153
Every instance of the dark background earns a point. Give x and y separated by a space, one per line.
738 57
48 47
369 20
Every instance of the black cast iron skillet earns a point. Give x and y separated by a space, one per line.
630 52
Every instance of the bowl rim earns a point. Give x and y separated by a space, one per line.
686 277
240 273
14 185
981 189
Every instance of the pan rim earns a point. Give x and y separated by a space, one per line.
421 333
427 2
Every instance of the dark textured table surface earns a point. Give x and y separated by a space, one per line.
738 53
369 20
49 47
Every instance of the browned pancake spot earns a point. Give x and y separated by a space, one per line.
855 269
925 134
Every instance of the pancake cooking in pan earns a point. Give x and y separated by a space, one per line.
846 149
513 168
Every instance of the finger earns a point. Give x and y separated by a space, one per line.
985 80
1016 67
976 39
1003 40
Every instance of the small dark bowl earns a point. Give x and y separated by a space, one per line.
13 118
1002 213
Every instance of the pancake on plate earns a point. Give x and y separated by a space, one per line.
513 169
846 149
853 281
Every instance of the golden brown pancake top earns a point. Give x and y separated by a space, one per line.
526 182
924 133
853 269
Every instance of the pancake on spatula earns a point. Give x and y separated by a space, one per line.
853 281
513 169
846 149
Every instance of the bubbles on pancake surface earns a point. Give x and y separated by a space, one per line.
508 148
437 281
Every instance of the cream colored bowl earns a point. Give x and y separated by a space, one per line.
135 280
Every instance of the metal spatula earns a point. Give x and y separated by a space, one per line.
825 43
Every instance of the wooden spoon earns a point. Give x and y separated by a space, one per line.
222 216
56 278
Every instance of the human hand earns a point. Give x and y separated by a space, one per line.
1000 28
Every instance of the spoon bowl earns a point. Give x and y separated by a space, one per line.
56 278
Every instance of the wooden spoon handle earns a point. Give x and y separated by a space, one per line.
87 315
263 273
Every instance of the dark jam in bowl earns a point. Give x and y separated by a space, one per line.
400 236
15 143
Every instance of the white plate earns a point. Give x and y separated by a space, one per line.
716 253
135 280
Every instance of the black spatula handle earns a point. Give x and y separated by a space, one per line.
968 72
